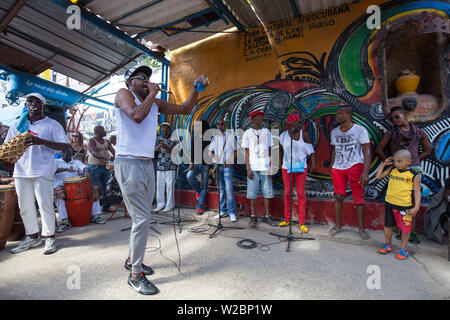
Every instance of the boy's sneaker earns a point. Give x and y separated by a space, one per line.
284 224
414 238
253 221
50 245
402 254
232 217
142 285
145 269
303 228
385 249
27 244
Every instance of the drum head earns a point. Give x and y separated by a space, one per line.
75 179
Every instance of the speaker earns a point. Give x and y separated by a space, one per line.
56 113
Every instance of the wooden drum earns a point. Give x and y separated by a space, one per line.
7 211
78 200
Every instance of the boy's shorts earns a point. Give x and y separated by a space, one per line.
352 175
259 180
394 217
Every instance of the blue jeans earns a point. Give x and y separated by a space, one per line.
203 188
226 195
100 176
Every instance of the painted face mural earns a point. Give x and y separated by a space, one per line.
352 73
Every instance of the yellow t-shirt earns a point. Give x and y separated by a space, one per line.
400 188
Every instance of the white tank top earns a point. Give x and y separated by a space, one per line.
300 151
136 139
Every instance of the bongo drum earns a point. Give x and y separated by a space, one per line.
7 211
78 200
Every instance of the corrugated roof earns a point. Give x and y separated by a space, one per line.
111 30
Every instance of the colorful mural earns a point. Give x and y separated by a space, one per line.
306 70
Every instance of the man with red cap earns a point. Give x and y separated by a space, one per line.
257 142
295 148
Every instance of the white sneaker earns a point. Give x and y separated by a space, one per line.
157 209
50 246
222 215
232 217
167 209
27 244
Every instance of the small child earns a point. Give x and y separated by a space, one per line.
403 186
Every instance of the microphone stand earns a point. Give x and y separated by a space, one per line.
290 236
178 220
219 226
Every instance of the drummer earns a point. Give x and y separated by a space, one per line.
34 173
67 168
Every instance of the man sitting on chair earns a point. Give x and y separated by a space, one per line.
67 168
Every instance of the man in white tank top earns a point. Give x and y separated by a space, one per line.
136 111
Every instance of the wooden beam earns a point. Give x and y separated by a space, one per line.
11 14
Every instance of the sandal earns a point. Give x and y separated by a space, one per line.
334 231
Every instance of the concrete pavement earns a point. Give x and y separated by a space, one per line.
89 265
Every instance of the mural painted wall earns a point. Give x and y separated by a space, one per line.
313 64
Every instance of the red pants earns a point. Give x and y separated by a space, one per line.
298 180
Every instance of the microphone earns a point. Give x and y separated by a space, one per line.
163 90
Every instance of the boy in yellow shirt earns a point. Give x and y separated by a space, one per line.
403 187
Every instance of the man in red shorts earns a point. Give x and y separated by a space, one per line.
351 163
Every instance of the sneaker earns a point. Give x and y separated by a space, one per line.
334 231
50 245
414 238
385 249
363 234
199 212
232 217
63 226
253 221
146 270
222 215
303 228
98 220
27 244
167 209
142 285
268 219
284 224
402 254
157 209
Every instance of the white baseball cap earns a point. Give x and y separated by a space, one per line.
37 95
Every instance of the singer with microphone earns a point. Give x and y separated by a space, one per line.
136 112
295 148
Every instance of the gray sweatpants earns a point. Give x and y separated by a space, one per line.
136 179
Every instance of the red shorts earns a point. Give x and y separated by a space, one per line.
393 216
352 175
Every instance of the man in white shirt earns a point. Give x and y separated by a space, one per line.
66 167
136 111
34 172
351 164
223 151
257 142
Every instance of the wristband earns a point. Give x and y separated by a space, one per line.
199 86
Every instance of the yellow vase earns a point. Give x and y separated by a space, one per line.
407 81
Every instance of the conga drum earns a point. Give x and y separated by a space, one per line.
78 200
18 229
7 211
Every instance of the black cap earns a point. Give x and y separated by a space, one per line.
131 72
